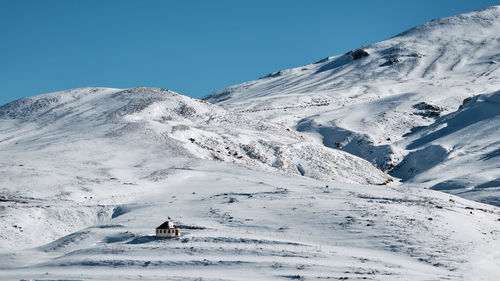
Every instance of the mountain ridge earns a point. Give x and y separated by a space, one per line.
368 101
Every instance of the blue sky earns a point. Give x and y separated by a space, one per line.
192 47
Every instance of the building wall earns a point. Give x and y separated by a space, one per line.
168 232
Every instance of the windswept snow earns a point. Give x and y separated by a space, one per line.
87 175
370 102
242 224
67 145
278 181
184 126
460 152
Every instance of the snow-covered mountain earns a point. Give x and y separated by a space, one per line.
372 101
265 185
68 144
184 126
87 174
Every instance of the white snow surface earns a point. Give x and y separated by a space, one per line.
260 185
88 174
186 126
370 103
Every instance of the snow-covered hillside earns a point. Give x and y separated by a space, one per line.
460 152
185 126
245 224
278 181
370 100
87 174
67 145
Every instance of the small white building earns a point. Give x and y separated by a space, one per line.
168 230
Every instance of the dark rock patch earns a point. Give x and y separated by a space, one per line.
428 110
358 53
390 61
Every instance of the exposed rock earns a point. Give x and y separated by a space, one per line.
428 110
358 53
274 74
467 100
390 61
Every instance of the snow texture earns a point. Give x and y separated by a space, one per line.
422 105
278 181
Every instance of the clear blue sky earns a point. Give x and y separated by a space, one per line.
192 47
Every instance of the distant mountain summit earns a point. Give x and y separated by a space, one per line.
486 18
462 46
372 100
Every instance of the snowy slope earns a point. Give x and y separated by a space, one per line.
185 126
367 101
242 224
66 145
87 174
460 152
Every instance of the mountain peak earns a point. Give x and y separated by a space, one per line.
483 18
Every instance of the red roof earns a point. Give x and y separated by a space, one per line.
164 225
